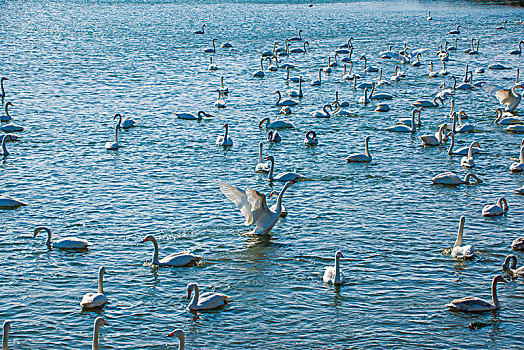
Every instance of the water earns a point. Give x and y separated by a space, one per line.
71 67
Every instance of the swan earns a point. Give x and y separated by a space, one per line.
500 208
429 16
364 99
2 94
379 96
342 104
178 333
94 300
359 157
515 128
396 77
273 136
332 274
211 50
479 70
334 64
461 151
261 167
285 102
297 38
363 85
253 206
114 145
445 93
520 190
283 50
323 113
294 93
380 81
453 48
498 66
456 31
350 75
206 301
463 127
512 270
475 51
317 82
507 97
443 72
340 112
327 69
283 177
225 140
459 251
311 138
436 139
200 31
285 110
6 117
11 128
7 202
407 121
4 152
99 321
386 54
293 79
64 243
223 90
428 103
463 86
503 26
369 69
518 167
176 259
6 327
219 103
417 63
474 304
212 66
467 161
300 50
432 73
190 116
449 178
471 48
269 53
260 73
272 67
342 48
382 107
277 124
518 244
125 123
514 52
403 127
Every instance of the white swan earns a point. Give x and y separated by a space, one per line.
327 69
206 301
297 38
219 103
201 31
342 104
417 63
212 66
285 110
461 151
64 243
449 178
459 251
283 177
443 71
125 123
273 136
190 116
456 31
211 50
474 304
518 244
515 128
454 47
518 167
253 206
333 274
467 161
224 140
436 139
277 124
364 99
462 86
176 259
432 73
359 157
114 145
7 202
517 51
379 96
506 118
284 102
223 90
295 93
428 103
403 127
99 321
408 121
498 66
2 94
462 127
269 53
178 333
500 208
369 69
262 167
317 82
311 138
98 299
260 73
429 16
503 26
226 45
5 152
6 117
507 97
512 270
322 113
300 50
380 81
396 77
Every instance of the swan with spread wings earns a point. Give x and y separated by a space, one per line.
253 206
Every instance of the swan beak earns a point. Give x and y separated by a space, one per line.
189 294
145 240
172 334
340 254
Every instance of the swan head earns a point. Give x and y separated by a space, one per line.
148 238
225 126
338 254
270 158
102 270
263 121
507 261
8 103
367 138
475 143
463 113
38 229
190 288
177 333
4 78
117 116
7 324
100 321
499 278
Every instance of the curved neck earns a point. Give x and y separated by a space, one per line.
5 338
458 242
4 147
6 109
470 151
49 236
225 132
95 337
270 175
279 96
337 269
367 148
494 296
3 91
155 254
182 340
454 82
503 204
413 121
279 199
372 89
194 299
101 281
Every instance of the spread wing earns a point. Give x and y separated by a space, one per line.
240 199
259 209
501 94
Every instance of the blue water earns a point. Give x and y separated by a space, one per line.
72 66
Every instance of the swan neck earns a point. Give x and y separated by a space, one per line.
367 148
522 154
337 269
280 195
3 92
101 281
450 150
49 236
494 296
279 97
4 147
95 337
458 243
270 176
260 146
225 133
194 299
182 340
6 107
155 254
116 132
413 122
470 151
5 338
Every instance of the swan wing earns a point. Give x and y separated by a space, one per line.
240 199
71 243
179 259
259 209
329 274
470 304
209 301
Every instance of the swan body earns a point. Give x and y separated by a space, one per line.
428 103
323 113
7 202
449 178
64 243
283 177
11 128
434 140
190 116
219 103
6 117
4 152
285 110
212 66
294 93
224 140
359 157
500 208
459 251
178 333
184 258
226 45
512 270
124 123
327 69
382 107
409 121
515 128
223 90
506 118
369 69
260 73
403 127
517 51
364 99
253 206
333 274
277 124
262 167
461 151
379 96
507 97
518 167
311 138
285 102
498 66
206 301
467 161
99 321
297 38
201 31
114 145
474 304
456 31
273 136
94 300
382 82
